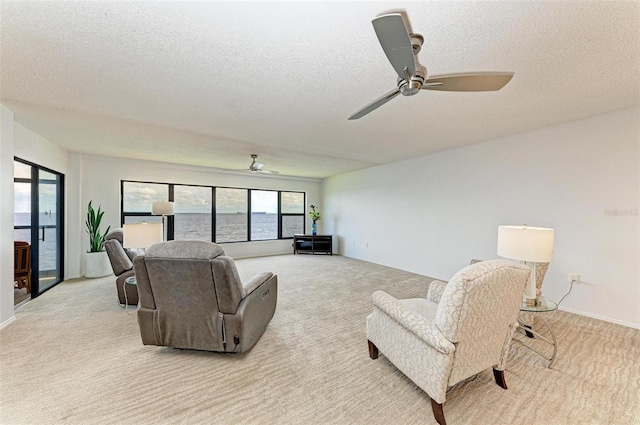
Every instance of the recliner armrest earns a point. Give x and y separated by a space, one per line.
413 322
256 281
436 288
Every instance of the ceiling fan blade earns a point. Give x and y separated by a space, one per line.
268 172
486 81
394 38
375 104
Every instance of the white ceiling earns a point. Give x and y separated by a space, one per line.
208 83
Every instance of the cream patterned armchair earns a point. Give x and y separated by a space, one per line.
462 328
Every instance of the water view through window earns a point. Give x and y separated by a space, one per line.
270 214
264 215
193 217
231 214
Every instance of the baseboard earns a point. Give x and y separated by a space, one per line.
604 319
262 255
7 322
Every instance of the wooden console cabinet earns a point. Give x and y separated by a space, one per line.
310 244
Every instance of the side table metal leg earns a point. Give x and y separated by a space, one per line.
553 343
530 333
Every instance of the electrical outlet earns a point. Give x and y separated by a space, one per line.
574 277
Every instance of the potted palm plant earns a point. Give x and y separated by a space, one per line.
96 261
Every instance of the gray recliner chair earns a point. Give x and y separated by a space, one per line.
122 264
192 297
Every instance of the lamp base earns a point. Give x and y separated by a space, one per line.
531 302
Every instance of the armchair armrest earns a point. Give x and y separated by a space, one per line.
436 288
413 322
256 281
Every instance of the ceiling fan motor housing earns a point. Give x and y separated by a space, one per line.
411 86
416 42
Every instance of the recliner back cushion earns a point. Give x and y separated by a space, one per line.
120 261
196 250
117 234
185 299
495 285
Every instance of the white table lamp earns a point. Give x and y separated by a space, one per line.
142 235
526 243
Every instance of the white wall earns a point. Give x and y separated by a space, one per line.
101 178
25 144
34 148
6 216
431 215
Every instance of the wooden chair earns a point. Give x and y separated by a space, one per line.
22 265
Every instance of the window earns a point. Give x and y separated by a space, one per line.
264 215
193 217
219 214
137 199
232 206
292 213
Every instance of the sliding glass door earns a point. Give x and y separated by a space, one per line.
49 225
38 220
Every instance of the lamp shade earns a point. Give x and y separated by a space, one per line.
526 243
141 235
162 208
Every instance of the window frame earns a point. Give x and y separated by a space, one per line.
170 223
281 214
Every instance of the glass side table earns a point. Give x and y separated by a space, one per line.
526 335
131 280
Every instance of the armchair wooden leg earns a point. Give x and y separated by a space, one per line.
499 376
437 412
373 350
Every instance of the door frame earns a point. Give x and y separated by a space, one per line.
34 181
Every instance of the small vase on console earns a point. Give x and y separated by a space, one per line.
314 215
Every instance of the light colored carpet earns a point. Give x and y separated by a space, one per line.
20 295
74 357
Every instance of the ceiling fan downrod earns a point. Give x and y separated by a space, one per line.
412 84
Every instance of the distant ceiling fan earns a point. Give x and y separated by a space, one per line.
256 167
402 47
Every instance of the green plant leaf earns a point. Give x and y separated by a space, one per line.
94 219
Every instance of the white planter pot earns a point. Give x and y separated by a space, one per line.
96 264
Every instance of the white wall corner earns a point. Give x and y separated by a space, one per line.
74 217
6 215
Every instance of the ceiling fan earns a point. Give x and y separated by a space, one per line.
402 47
256 167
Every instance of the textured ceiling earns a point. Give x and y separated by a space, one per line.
208 83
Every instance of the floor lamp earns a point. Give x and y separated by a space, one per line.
525 243
163 208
